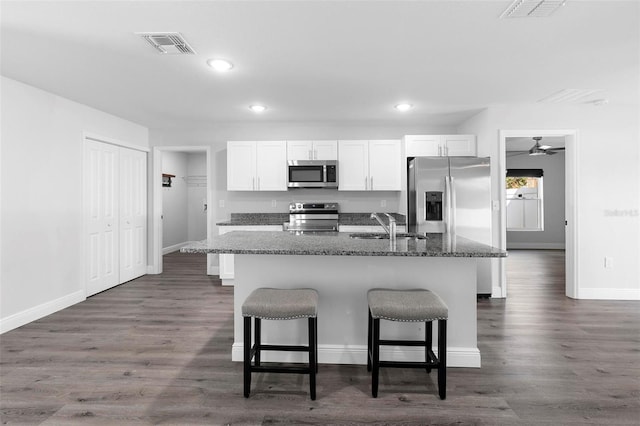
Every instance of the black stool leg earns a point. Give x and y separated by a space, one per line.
257 339
315 326
247 356
313 365
442 358
369 338
428 339
376 357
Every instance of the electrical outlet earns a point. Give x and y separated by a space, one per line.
221 204
608 262
383 203
273 203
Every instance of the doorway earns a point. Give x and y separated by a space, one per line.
568 139
182 194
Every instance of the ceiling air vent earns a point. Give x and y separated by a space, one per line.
532 8
168 43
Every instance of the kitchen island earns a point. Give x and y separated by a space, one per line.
343 269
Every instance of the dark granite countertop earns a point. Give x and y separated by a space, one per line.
339 244
258 219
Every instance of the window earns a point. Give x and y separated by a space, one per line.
524 200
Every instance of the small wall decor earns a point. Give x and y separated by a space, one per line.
166 180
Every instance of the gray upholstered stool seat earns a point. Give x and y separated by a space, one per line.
274 303
279 304
418 305
406 305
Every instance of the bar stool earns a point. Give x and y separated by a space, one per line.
407 306
279 304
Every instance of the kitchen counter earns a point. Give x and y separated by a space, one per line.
259 219
340 244
342 270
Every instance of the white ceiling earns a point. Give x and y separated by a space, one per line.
319 61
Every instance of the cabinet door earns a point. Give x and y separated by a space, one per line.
133 214
459 145
423 146
353 165
299 150
101 211
384 165
271 166
241 166
325 150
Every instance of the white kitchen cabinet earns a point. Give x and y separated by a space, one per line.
440 146
226 261
312 150
365 165
256 166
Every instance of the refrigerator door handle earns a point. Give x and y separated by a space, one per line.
447 205
453 204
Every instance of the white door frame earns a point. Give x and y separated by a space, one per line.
571 203
156 218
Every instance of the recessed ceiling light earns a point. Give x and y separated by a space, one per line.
258 108
403 107
220 65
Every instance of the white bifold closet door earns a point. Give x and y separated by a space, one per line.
115 185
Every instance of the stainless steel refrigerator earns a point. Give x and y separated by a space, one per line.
452 195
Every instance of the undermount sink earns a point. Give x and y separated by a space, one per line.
385 236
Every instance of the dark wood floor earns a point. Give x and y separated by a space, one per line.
156 350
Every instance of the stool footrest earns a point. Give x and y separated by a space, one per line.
407 364
281 369
283 348
402 343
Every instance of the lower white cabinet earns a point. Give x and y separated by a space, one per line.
225 261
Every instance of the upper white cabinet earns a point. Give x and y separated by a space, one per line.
440 146
256 166
312 150
365 165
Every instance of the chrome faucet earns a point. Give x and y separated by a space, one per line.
391 229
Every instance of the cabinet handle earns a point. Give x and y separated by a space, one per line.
258 183
253 183
365 183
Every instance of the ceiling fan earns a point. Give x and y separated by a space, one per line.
538 149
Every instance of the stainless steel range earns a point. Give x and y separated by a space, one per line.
313 217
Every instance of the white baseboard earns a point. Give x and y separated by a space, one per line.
535 246
174 248
609 293
357 354
213 270
32 314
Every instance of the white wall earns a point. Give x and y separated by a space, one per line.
553 202
174 201
196 196
41 212
184 218
608 194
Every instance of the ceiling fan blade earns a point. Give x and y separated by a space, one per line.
556 149
514 153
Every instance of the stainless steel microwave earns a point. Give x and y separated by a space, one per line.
312 174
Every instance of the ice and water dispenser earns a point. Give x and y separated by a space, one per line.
433 205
